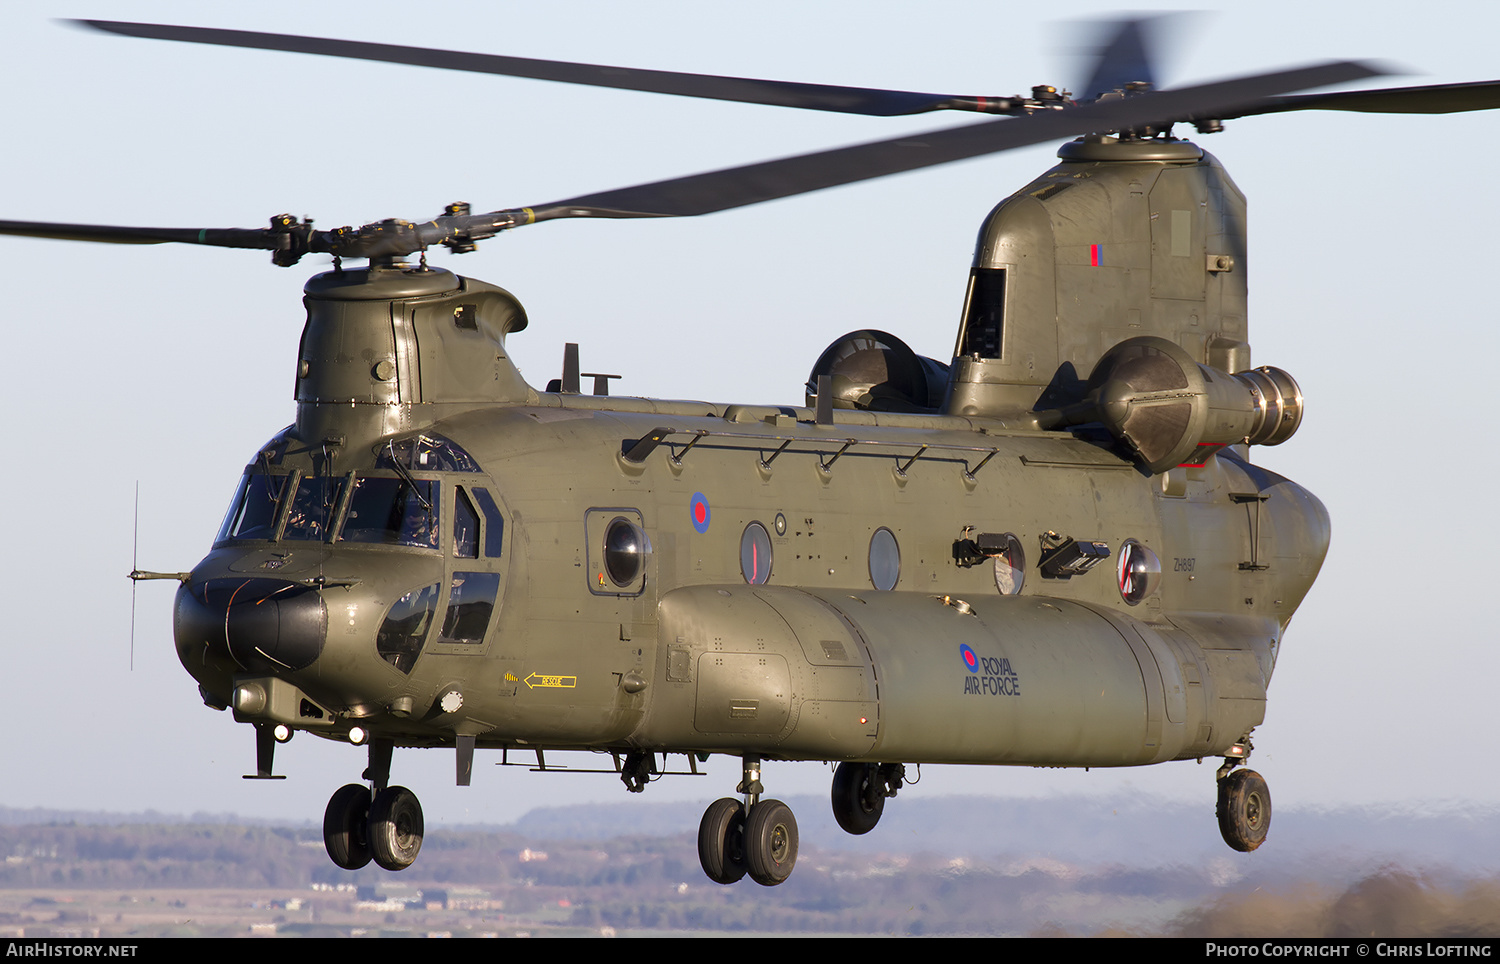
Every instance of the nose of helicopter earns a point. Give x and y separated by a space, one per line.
262 624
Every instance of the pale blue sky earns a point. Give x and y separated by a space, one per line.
1370 248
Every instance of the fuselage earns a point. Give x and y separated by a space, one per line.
491 611
1037 569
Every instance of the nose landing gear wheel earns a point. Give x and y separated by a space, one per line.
395 828
770 842
1244 810
858 797
346 826
721 841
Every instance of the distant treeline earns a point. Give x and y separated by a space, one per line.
655 882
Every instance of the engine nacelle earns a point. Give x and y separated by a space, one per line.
1155 398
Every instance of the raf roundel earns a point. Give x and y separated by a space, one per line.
970 660
698 511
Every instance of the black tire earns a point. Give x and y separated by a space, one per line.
346 834
395 828
1244 810
770 842
721 841
858 796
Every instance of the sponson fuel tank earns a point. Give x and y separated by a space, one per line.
902 675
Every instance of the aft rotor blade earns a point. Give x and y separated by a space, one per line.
1431 99
734 187
1122 60
848 100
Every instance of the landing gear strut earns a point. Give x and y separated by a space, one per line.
758 837
859 792
385 824
1244 807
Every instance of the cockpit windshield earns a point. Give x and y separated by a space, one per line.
393 512
252 514
366 508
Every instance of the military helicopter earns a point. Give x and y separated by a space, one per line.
677 582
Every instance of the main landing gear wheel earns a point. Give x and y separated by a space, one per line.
1244 810
770 842
858 796
721 841
395 828
346 826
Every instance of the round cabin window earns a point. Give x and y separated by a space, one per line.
1138 572
755 554
1010 566
625 551
885 560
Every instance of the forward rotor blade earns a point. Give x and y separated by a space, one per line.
848 100
738 186
1431 99
218 237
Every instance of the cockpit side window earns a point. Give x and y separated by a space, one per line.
393 512
465 527
494 523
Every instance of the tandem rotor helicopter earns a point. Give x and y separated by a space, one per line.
1053 549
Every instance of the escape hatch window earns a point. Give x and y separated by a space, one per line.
619 551
984 314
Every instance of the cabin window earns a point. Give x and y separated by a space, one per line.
625 550
984 314
755 554
619 551
885 560
1010 566
1138 572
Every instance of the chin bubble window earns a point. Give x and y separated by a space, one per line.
885 560
755 554
1138 572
